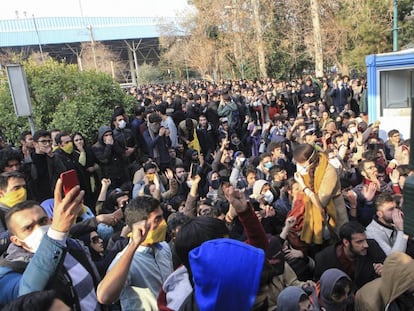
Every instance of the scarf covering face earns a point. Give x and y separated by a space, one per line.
13 197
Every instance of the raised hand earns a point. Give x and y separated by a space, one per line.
169 174
139 232
398 219
236 198
369 191
67 209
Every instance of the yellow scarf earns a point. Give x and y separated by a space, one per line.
13 197
195 144
314 220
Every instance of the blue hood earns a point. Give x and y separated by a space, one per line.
226 274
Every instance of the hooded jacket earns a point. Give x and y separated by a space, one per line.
327 284
289 298
383 293
110 158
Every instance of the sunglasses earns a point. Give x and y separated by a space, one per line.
96 239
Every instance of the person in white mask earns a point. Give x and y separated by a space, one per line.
123 135
42 256
324 205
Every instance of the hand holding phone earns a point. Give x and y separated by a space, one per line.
69 180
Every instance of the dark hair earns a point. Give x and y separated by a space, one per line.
275 169
265 155
362 163
8 154
349 229
35 301
149 166
162 109
335 136
339 287
73 137
273 145
4 178
139 110
18 208
40 133
404 170
139 209
178 220
382 198
306 152
195 232
58 138
24 134
290 182
249 169
393 132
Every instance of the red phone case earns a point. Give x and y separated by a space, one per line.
69 180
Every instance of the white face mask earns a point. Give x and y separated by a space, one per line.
122 124
303 170
332 110
33 239
189 183
268 196
353 130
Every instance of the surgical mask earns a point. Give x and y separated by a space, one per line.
13 197
353 130
268 196
242 161
33 240
215 184
332 110
235 141
157 235
122 124
303 170
68 148
268 165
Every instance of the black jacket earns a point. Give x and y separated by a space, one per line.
364 269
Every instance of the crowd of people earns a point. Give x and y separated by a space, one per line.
235 195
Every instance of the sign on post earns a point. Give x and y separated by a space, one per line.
20 92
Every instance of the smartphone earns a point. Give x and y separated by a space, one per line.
194 170
69 180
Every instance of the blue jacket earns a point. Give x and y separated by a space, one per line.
22 272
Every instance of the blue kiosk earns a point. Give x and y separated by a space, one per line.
390 78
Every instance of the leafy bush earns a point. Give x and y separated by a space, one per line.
64 98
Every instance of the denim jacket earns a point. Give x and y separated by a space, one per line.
22 272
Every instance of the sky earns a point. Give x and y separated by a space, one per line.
90 8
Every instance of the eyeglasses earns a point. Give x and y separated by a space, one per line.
96 239
45 142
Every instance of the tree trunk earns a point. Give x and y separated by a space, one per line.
317 38
259 37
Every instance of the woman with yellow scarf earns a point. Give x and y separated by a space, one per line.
324 204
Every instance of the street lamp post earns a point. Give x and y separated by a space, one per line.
395 27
